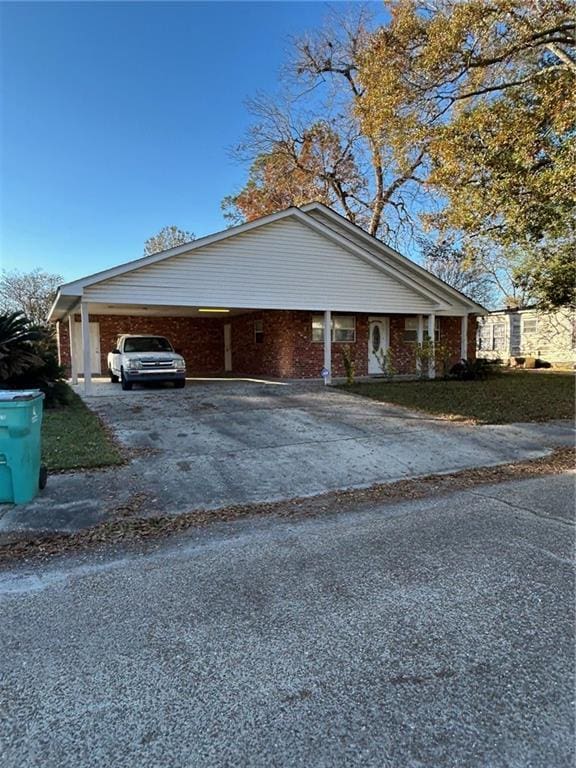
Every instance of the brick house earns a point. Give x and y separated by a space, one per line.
282 296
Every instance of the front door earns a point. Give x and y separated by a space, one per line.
227 347
78 347
378 342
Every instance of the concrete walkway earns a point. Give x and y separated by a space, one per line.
226 442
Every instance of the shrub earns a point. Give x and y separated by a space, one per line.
472 370
386 362
17 339
349 365
29 359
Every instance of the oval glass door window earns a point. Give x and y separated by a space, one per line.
376 338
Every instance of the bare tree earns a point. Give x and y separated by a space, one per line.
316 134
29 292
167 237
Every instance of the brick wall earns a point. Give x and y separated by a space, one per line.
199 340
287 350
404 353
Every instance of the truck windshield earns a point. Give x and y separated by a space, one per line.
147 344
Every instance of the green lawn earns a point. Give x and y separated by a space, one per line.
73 437
504 398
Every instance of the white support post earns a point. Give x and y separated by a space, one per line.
73 360
464 338
328 345
432 342
419 340
87 352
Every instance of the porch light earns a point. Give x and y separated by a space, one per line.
213 310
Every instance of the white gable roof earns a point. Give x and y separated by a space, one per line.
290 260
414 272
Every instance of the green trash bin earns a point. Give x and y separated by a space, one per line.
21 470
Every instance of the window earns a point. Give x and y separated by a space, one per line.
484 337
411 330
498 336
258 331
147 344
529 324
343 328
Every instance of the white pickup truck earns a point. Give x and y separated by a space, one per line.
145 358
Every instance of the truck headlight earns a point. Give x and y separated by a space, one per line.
134 364
180 364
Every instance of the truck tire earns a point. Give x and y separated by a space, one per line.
113 378
180 384
126 385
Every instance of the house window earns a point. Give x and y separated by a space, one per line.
529 324
259 331
343 328
498 336
484 337
411 330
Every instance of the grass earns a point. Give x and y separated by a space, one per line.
506 397
73 438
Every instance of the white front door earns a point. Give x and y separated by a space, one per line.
77 348
378 343
227 347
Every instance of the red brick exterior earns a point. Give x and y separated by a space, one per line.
199 340
448 347
287 349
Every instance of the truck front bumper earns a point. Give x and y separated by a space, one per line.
171 374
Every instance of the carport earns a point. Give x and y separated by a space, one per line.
204 336
283 296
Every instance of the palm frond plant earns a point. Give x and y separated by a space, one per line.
17 345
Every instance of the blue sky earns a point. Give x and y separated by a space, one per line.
116 119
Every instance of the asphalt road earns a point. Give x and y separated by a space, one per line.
432 633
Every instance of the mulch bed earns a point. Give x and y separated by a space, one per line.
126 528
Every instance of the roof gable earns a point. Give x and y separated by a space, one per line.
309 258
287 263
405 266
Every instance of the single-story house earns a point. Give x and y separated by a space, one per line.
508 334
279 296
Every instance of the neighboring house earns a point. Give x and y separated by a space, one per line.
277 297
519 333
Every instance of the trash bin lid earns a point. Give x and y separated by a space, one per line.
9 395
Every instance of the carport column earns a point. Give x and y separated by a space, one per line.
464 338
73 361
328 344
87 355
419 339
432 342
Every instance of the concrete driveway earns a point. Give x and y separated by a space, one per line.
227 442
428 634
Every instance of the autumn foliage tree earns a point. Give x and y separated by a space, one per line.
492 85
315 147
292 172
453 115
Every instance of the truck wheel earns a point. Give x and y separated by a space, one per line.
113 378
180 384
126 385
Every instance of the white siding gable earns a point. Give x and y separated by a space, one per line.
281 265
